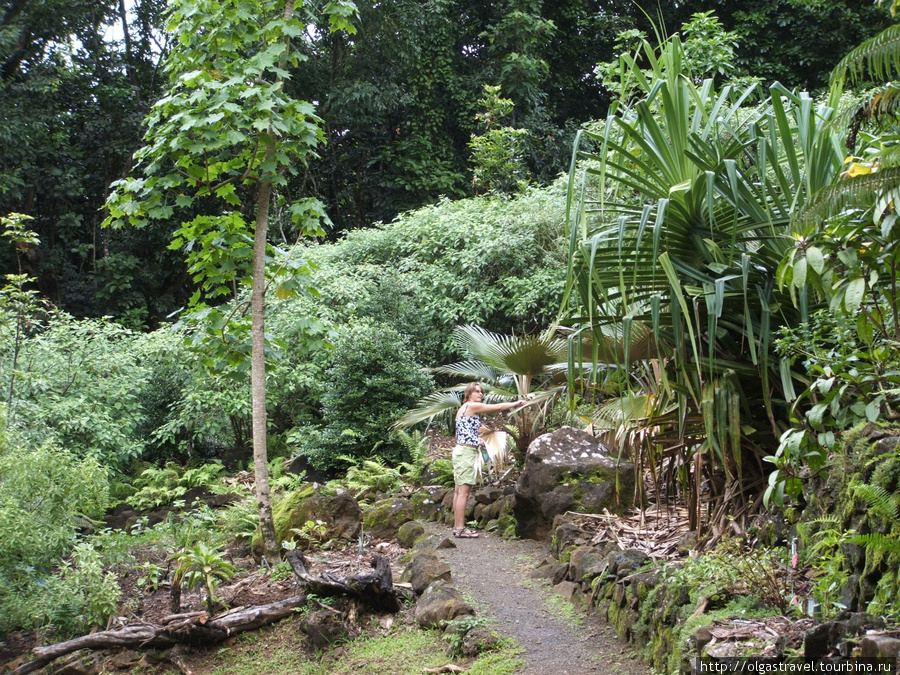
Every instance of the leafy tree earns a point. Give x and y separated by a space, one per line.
514 41
497 153
72 103
794 42
221 141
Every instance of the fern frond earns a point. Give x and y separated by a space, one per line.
876 542
853 192
879 500
878 58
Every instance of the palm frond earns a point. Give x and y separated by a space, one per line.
878 58
472 370
519 354
439 404
853 192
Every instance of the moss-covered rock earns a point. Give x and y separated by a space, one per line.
860 488
384 518
409 533
335 513
569 470
427 503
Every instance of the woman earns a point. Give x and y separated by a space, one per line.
468 422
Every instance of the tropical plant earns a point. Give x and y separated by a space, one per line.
507 366
202 567
158 486
846 253
373 377
219 144
497 152
825 542
678 223
311 534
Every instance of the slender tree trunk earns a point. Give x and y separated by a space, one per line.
271 545
258 373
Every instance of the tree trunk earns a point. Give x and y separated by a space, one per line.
271 546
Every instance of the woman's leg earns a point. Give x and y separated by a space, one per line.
460 499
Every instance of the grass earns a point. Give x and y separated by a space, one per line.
278 650
564 609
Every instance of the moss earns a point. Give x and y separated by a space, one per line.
506 525
281 515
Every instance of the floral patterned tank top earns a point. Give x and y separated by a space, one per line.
467 427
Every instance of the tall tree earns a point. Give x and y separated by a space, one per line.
220 143
71 115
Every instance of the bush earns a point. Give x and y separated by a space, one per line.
44 492
81 382
373 379
491 261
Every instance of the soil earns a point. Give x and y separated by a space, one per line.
492 573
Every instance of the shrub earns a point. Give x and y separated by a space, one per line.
81 382
373 379
43 494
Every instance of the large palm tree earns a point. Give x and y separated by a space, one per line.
679 217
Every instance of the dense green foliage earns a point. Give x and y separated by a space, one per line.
44 492
399 102
373 378
706 214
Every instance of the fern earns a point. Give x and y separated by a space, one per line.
878 57
370 474
857 191
416 446
880 501
877 543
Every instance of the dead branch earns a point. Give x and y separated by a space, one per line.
191 628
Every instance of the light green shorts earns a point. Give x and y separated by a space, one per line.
464 464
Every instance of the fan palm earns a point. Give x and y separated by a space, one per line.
679 219
508 366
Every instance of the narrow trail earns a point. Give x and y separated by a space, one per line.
493 573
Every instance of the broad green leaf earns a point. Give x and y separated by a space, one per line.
815 258
853 296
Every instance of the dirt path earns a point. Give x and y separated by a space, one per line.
493 572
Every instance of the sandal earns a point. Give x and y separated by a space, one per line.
465 533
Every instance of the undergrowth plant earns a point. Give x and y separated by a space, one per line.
733 569
369 475
311 535
455 631
824 548
202 567
161 486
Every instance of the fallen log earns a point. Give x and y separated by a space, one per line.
376 589
194 628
